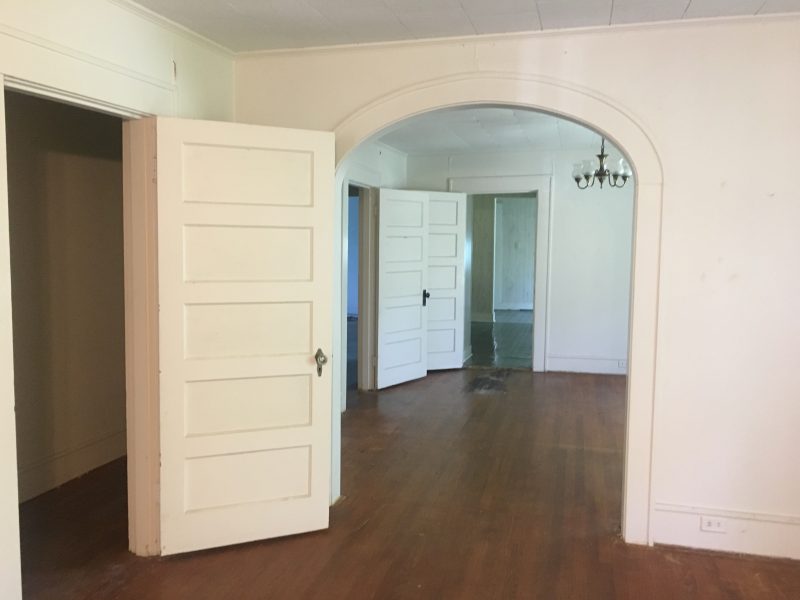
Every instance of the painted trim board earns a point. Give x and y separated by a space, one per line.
745 532
582 364
52 471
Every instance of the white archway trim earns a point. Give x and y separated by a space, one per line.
556 97
620 126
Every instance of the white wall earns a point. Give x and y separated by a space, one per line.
728 326
116 54
113 56
590 253
590 275
515 244
434 171
375 165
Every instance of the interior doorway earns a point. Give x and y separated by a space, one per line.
359 288
68 311
353 248
504 232
359 291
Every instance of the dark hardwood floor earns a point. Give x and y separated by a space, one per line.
464 485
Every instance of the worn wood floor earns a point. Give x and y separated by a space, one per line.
464 485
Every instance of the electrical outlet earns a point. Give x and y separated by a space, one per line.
713 524
622 364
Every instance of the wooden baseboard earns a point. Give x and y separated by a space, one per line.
483 317
744 532
513 306
577 364
45 474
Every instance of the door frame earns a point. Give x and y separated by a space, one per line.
9 500
367 275
619 124
143 420
141 325
10 572
542 186
367 284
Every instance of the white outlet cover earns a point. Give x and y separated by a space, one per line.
713 524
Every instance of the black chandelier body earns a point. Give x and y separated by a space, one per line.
585 176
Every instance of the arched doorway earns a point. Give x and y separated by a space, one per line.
616 123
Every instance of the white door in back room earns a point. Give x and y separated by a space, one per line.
402 283
447 243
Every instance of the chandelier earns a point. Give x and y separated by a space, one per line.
585 174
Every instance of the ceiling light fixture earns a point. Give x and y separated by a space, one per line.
585 174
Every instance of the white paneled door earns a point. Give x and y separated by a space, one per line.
447 221
402 281
245 220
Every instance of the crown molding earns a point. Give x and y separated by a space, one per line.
522 35
171 26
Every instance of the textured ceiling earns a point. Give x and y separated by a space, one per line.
243 25
488 129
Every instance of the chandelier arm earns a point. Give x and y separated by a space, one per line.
624 180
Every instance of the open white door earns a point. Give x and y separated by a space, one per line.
402 279
447 213
245 220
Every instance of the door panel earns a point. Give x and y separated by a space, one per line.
447 235
402 276
244 274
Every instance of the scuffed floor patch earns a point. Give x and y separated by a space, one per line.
488 382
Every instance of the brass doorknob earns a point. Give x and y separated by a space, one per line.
321 359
